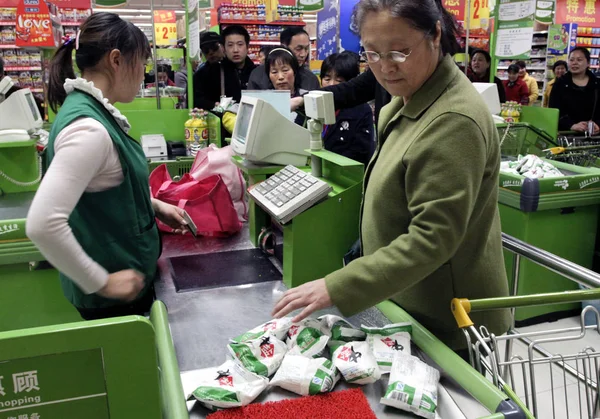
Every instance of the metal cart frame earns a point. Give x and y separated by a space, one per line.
486 348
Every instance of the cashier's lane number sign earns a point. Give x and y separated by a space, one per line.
165 25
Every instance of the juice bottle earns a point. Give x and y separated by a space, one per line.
189 129
202 125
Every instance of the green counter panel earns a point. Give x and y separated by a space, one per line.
569 233
32 298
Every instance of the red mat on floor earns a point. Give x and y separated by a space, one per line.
347 404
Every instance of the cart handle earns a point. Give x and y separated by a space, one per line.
461 307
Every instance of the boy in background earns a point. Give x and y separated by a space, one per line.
515 87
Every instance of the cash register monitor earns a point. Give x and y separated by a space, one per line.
489 94
19 111
263 135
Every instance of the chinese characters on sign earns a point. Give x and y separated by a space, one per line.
327 30
26 381
515 29
584 12
165 26
456 7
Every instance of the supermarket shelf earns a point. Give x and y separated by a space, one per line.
588 46
37 90
265 42
588 35
2 46
259 22
540 33
595 66
505 67
8 23
17 68
538 43
72 23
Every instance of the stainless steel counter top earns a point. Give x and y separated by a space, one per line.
202 322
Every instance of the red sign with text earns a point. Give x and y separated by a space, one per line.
34 27
582 12
456 8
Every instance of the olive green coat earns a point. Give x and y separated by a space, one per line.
430 227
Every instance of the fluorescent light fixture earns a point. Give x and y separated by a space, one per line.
141 11
141 17
141 25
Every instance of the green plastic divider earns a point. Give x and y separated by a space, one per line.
474 383
95 370
172 396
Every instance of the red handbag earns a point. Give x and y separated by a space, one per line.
207 201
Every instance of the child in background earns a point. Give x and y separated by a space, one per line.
352 135
516 89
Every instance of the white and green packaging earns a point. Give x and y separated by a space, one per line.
276 327
306 376
307 338
229 385
357 363
386 341
341 330
261 356
412 386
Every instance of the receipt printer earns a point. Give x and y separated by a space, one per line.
154 146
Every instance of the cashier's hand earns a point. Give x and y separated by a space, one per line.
170 215
580 126
296 103
123 285
311 296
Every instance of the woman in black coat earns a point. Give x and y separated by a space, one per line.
575 95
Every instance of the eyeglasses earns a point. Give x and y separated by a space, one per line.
374 57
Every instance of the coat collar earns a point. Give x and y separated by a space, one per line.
432 89
423 98
89 88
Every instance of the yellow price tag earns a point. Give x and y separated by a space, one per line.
165 34
479 15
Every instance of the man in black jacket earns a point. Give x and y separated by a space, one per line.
226 78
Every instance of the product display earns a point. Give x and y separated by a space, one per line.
412 386
308 338
385 342
262 355
306 376
229 385
530 166
277 327
357 363
511 112
196 132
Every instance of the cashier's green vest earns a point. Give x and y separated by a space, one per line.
115 227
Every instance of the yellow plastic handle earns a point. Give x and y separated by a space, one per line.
556 150
461 307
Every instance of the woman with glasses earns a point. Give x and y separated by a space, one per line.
430 229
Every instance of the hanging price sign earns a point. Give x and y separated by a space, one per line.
165 27
479 14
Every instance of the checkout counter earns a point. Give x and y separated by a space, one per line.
36 316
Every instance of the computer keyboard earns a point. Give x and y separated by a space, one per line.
289 192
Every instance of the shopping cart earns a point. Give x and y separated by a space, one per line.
577 150
522 138
509 372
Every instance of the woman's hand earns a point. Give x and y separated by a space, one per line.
580 126
123 285
170 215
296 102
596 128
311 296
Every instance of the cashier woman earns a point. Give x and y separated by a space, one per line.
430 228
93 217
